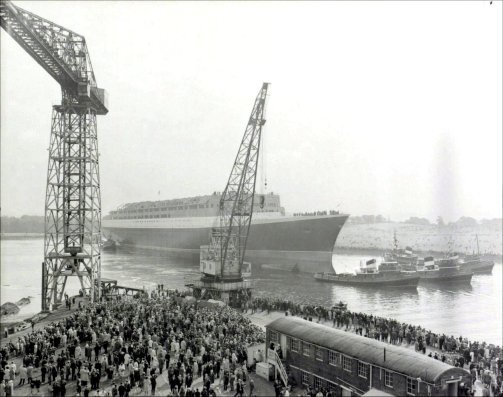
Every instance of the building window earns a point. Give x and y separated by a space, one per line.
388 379
294 345
306 349
273 336
346 363
334 358
411 386
319 353
363 370
318 383
305 378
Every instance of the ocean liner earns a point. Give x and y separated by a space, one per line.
300 242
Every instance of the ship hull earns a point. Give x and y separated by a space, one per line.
478 266
379 280
446 277
302 244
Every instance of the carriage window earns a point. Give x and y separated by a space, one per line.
363 370
294 345
411 386
319 353
388 379
334 358
306 349
305 378
346 363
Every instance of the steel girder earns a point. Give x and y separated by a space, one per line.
73 205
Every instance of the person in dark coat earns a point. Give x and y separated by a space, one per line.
153 383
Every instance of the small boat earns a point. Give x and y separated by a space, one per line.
404 257
109 245
443 270
388 274
475 264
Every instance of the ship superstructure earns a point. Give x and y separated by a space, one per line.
199 206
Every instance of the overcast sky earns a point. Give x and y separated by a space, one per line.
390 108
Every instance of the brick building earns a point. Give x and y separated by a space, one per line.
353 365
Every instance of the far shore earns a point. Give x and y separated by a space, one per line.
375 251
19 236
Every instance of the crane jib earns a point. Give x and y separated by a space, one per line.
228 243
61 52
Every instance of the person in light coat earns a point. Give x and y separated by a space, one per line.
23 375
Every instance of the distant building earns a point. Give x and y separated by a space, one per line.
353 365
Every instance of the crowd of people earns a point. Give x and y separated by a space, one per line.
113 348
317 213
484 361
121 347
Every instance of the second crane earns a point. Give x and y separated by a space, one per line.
222 261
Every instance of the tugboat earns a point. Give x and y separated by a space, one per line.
404 257
475 264
388 274
109 245
445 270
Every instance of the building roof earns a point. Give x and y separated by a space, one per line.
398 359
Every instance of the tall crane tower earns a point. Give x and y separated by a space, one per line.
73 202
221 262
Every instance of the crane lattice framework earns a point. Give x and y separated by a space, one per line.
73 202
236 202
221 262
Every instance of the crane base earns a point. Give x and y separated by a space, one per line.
230 292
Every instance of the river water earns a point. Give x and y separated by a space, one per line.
472 310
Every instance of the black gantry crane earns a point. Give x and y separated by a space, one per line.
221 262
73 202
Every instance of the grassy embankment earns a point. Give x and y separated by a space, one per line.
374 239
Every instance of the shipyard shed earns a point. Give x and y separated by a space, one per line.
352 365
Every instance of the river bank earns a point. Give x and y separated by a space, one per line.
21 236
423 238
39 320
377 252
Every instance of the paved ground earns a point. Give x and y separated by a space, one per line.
262 386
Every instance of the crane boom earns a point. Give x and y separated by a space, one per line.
61 52
222 260
236 203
